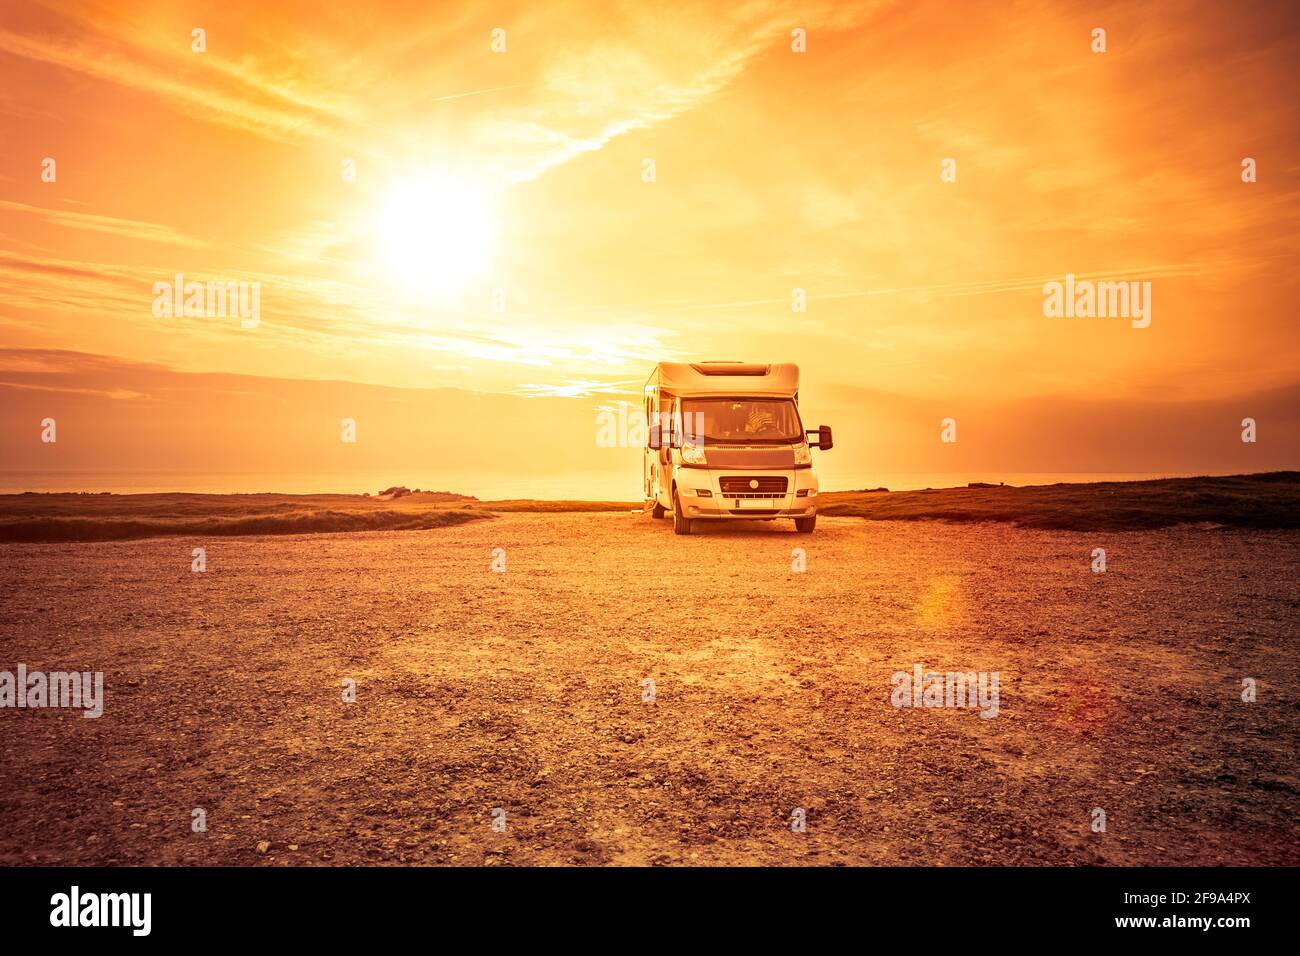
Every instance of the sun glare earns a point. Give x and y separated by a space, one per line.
433 236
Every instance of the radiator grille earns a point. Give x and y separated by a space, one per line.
739 486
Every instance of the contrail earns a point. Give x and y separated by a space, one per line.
494 89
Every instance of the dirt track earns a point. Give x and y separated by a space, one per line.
523 690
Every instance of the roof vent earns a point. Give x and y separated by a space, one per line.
731 368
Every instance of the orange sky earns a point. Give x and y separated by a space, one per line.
518 174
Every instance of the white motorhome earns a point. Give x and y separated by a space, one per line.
725 441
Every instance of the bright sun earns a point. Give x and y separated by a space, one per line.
433 236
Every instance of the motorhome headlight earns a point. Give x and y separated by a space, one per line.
802 454
693 454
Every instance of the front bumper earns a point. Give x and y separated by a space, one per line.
798 501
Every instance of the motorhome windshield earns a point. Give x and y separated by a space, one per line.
744 419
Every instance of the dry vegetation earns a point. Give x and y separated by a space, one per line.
1245 501
81 517
1269 500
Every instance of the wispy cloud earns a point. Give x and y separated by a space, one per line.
102 60
579 389
108 225
492 89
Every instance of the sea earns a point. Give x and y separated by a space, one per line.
590 486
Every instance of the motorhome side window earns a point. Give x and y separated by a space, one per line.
667 414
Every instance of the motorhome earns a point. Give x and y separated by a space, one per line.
725 442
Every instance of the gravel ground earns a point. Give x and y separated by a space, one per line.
523 691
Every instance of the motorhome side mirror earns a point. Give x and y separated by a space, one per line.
824 440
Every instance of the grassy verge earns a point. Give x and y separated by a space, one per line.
1269 500
1245 501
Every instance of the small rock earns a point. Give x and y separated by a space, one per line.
263 846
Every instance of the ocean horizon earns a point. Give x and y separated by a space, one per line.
579 486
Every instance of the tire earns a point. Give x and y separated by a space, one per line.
681 523
805 525
658 511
